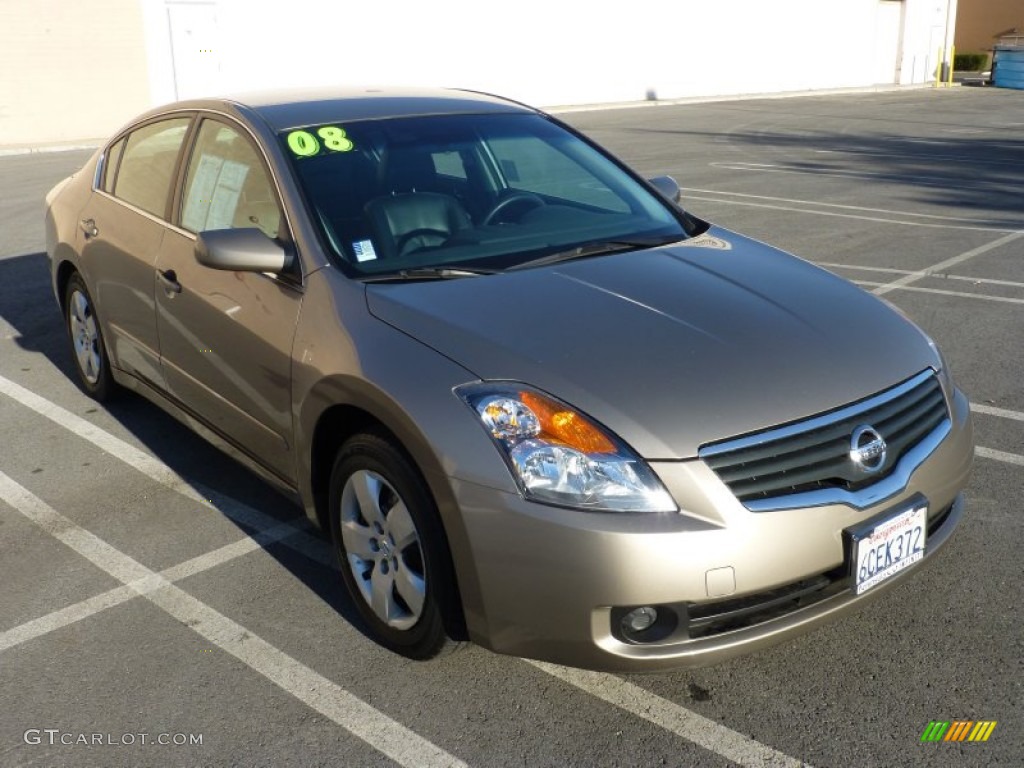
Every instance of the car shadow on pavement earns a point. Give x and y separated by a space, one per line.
27 305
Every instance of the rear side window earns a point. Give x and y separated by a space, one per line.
227 185
147 164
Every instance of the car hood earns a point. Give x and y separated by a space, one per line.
670 347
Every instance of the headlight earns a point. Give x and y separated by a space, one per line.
559 456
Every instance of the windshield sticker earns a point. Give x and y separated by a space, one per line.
304 144
363 249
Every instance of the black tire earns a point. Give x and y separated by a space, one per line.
414 631
88 348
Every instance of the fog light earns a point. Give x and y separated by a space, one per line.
639 619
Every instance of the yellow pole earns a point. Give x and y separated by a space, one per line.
952 58
938 67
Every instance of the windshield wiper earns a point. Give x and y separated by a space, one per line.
599 248
431 273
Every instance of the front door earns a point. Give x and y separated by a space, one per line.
226 337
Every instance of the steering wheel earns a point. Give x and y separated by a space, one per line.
510 200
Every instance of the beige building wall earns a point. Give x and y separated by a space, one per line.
979 22
70 70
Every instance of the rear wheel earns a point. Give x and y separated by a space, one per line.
393 556
90 351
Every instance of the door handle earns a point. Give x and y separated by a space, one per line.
169 278
89 227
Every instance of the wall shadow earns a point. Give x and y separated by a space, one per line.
980 177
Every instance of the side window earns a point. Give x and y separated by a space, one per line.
147 164
533 165
110 165
227 185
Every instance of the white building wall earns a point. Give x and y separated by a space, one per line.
554 53
543 52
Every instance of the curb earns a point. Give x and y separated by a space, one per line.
562 109
9 151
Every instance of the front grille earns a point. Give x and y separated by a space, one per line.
814 454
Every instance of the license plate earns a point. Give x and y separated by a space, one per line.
887 547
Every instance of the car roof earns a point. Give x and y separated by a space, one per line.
292 108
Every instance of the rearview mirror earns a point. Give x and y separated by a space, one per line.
667 186
240 250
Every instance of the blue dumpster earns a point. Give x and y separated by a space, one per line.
1008 71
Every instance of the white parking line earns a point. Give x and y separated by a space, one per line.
913 277
989 410
931 157
311 546
706 733
878 219
1003 456
103 440
865 209
51 622
943 275
940 291
384 734
879 177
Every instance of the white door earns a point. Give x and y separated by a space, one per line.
935 52
888 23
194 48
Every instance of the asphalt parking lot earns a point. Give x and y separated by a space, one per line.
159 597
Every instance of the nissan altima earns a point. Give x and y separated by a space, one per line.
534 402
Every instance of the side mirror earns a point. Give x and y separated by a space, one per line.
667 186
240 250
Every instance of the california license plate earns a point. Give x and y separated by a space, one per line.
887 547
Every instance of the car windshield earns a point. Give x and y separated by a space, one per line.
453 193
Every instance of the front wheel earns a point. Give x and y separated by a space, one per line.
392 551
90 351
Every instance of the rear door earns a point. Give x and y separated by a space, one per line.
226 337
122 229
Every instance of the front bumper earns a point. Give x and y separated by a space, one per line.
552 583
